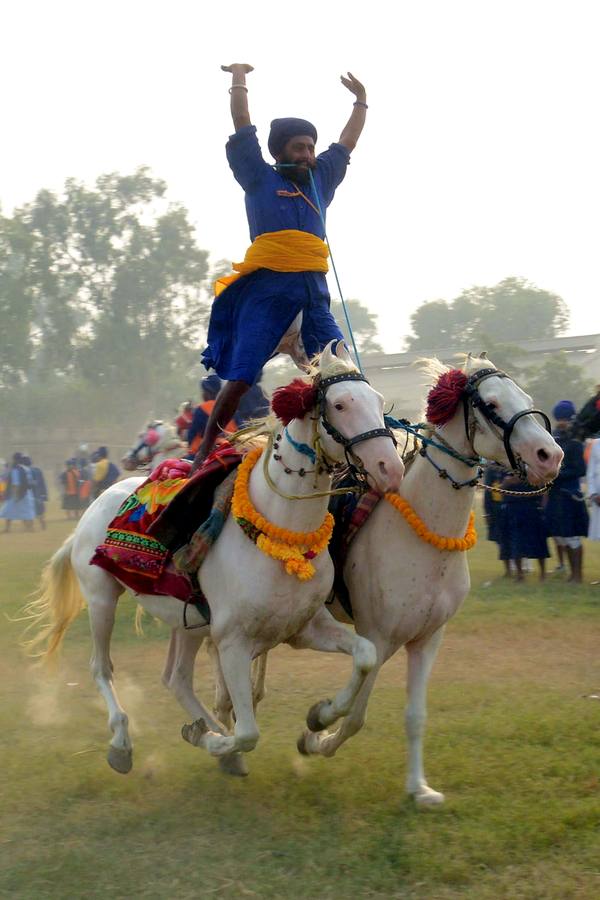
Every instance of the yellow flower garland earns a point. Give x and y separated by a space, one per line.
436 540
294 548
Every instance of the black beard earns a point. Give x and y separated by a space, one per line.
299 174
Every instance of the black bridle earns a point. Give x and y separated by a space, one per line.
353 460
472 397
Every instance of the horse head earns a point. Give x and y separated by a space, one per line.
497 419
349 426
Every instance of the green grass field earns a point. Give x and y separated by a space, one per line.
513 741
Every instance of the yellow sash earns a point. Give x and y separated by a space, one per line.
280 251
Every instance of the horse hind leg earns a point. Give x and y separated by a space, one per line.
206 731
102 593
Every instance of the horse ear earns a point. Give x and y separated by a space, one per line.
326 359
341 351
483 354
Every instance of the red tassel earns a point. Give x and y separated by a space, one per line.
443 399
294 400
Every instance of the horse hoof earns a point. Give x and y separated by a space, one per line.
313 717
194 733
301 745
428 797
233 764
120 759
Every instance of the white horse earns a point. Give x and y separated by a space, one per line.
254 603
402 589
157 442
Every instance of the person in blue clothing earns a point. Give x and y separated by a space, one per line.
277 300
566 514
524 532
40 491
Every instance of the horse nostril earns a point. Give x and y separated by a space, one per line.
543 455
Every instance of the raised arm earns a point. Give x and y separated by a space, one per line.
355 124
239 93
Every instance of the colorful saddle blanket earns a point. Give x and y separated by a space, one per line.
350 512
141 539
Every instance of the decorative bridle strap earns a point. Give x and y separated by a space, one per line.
472 397
322 384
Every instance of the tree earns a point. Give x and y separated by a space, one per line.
112 284
557 379
363 322
513 310
16 302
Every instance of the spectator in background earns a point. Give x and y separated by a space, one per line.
104 472
567 518
4 470
85 478
593 486
524 532
184 420
69 480
40 491
210 387
19 504
495 512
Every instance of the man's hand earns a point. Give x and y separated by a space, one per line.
241 68
239 93
354 86
355 123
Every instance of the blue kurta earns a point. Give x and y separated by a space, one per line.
251 316
566 512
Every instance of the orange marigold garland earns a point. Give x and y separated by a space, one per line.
436 540
294 548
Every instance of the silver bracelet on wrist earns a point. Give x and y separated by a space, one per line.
242 86
360 103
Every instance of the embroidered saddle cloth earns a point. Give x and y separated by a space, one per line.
350 512
159 517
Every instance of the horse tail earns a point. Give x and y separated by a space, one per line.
58 602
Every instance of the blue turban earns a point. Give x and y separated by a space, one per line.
211 385
283 130
564 411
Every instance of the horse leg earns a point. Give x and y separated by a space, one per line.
326 743
323 633
421 657
259 674
235 666
206 731
102 605
223 707
233 763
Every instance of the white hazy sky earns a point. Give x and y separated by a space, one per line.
480 158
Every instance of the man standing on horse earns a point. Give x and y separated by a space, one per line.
281 282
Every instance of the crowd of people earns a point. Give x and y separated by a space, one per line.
24 491
23 487
523 521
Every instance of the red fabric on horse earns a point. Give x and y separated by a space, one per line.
444 397
141 558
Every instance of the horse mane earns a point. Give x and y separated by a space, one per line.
433 368
337 366
445 384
